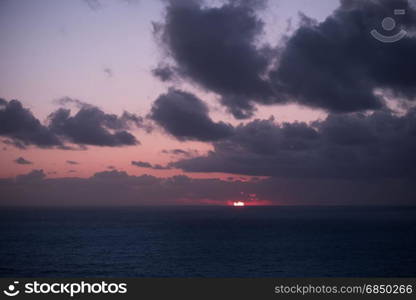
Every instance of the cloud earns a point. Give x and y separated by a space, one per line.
88 126
92 126
185 116
109 72
180 152
114 174
22 128
63 101
335 65
72 162
143 164
94 4
117 188
22 161
352 146
164 73
126 121
216 48
35 176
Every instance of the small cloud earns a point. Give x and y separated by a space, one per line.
186 117
22 161
72 162
131 1
164 73
94 4
143 164
111 167
72 171
64 101
181 152
108 72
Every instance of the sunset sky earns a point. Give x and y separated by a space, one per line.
130 102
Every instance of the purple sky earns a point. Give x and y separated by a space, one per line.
102 54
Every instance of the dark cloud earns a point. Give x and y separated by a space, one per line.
342 146
88 126
164 73
180 152
112 121
216 48
34 176
72 162
22 128
337 65
114 174
119 188
334 65
185 116
22 161
143 164
91 126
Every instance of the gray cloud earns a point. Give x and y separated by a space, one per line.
22 161
109 72
22 128
94 4
185 116
180 152
143 164
88 126
72 162
335 65
34 176
342 146
216 48
119 188
164 73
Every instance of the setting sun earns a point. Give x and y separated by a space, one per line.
238 203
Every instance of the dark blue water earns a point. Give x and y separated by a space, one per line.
208 242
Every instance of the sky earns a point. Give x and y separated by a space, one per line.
139 102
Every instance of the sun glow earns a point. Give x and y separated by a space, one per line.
238 203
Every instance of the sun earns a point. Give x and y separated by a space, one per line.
239 203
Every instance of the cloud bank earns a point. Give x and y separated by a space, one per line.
117 188
356 145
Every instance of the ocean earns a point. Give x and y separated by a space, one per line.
208 242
